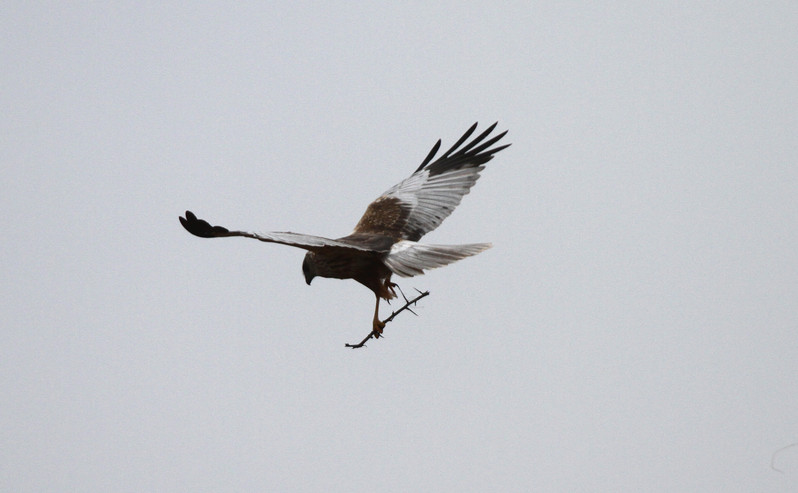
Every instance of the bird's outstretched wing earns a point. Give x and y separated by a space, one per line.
203 229
417 205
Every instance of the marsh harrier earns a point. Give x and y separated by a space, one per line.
385 240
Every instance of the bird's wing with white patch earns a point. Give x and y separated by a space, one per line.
203 229
418 204
408 258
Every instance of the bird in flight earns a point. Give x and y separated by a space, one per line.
386 239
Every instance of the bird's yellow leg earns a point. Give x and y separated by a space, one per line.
377 325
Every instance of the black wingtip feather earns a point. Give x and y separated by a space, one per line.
202 228
485 145
478 139
431 155
474 153
462 139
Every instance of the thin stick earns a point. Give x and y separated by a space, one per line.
393 315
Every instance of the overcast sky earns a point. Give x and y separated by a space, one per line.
634 328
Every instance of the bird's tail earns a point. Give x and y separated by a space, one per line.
408 258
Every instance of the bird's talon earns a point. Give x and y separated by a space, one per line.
377 329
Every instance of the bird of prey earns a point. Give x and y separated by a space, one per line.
386 239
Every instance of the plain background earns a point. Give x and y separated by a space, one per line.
633 328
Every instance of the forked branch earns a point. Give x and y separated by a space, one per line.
407 306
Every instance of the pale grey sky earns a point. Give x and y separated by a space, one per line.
633 328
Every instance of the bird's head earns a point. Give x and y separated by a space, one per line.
308 267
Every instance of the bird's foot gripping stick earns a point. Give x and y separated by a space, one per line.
376 334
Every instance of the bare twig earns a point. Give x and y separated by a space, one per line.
407 306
